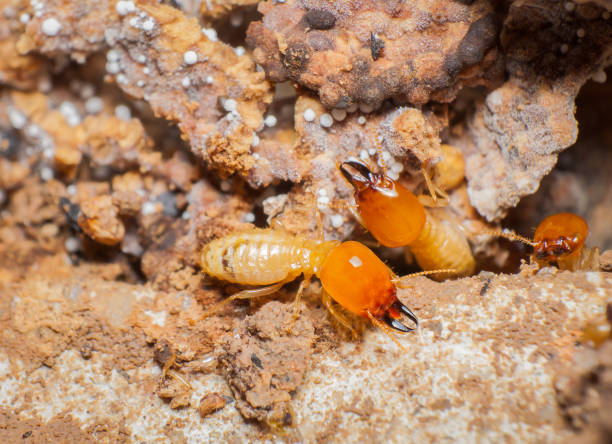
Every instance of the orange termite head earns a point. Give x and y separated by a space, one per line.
355 278
389 211
362 178
559 235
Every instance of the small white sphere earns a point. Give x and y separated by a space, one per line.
125 7
270 120
148 24
17 118
190 57
337 220
326 120
210 33
309 115
51 27
123 112
186 82
361 120
230 105
94 105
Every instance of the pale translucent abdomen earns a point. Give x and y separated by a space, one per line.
441 245
259 257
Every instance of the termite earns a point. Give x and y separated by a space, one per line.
351 274
559 239
396 218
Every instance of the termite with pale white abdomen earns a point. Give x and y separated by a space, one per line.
350 273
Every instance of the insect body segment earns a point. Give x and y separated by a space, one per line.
560 235
351 274
559 239
395 217
263 257
361 283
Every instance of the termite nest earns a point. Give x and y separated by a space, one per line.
245 189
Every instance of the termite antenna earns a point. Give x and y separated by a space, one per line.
510 235
381 158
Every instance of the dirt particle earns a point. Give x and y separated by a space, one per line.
264 363
376 45
210 403
320 19
605 260
255 360
86 351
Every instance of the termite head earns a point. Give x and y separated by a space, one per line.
560 235
551 249
362 178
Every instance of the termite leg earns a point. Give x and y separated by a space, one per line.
180 378
434 190
245 294
296 304
167 372
277 225
329 304
381 159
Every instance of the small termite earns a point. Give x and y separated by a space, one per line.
559 239
396 218
351 274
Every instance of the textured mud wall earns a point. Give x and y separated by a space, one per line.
132 133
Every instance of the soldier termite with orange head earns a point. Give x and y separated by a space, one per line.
559 239
396 218
350 273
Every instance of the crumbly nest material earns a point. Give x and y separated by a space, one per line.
132 133
365 53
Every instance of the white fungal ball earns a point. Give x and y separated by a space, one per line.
190 57
210 33
337 220
123 112
270 120
326 120
309 115
125 7
254 143
51 27
230 105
